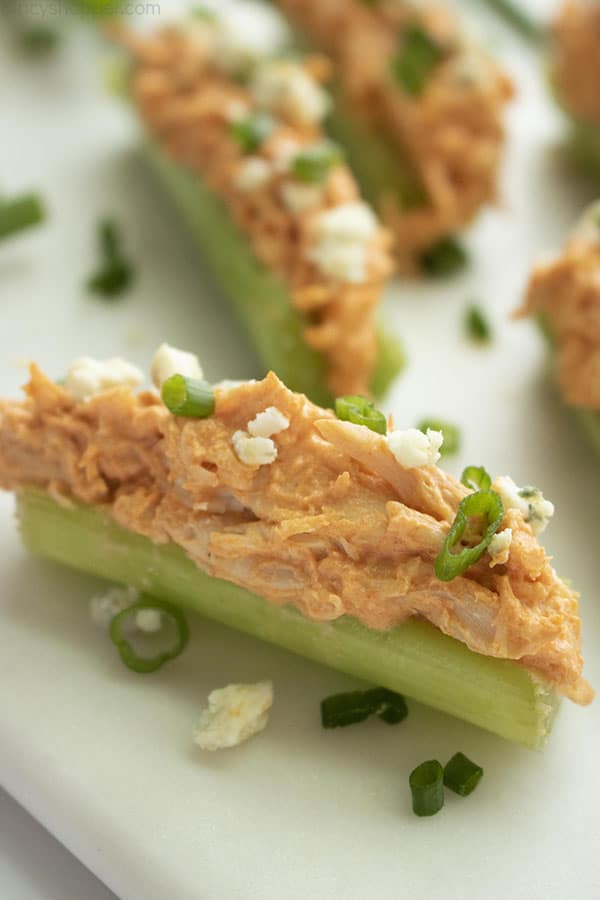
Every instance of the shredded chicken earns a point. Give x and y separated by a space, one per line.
335 525
452 132
188 104
566 294
576 58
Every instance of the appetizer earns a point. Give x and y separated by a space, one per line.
327 534
565 296
237 137
419 110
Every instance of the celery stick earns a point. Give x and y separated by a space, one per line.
260 299
414 659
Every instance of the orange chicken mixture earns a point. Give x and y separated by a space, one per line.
329 520
576 59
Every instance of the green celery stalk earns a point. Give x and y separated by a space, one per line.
415 658
260 299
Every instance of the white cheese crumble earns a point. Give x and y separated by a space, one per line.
149 621
104 607
530 501
254 451
169 361
300 197
340 241
230 384
87 377
413 449
283 153
234 714
286 88
270 421
253 173
499 547
246 33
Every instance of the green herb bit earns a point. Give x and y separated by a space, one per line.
485 505
389 706
446 257
132 659
427 788
340 710
313 164
451 434
477 325
415 60
476 478
360 411
21 213
38 39
191 397
253 131
461 775
115 273
203 13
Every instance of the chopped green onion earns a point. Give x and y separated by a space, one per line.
38 39
485 504
389 706
446 257
461 775
312 165
253 131
515 15
17 215
415 60
476 478
360 411
340 710
191 397
427 788
476 324
132 659
451 434
115 273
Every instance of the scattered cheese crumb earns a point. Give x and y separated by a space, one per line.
104 607
285 87
236 110
148 620
87 377
246 33
284 151
341 235
300 197
234 714
169 361
267 423
413 449
499 548
254 451
530 501
230 384
253 173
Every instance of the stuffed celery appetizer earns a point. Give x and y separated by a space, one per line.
418 108
325 534
565 295
278 214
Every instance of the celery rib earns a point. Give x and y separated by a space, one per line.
414 659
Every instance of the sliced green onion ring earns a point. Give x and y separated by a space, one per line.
476 478
388 705
451 434
252 131
191 397
427 788
485 504
129 656
312 164
415 60
21 213
360 411
462 775
477 326
340 710
446 257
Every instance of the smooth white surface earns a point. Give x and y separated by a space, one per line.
104 758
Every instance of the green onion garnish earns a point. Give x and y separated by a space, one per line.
415 60
461 775
485 505
191 397
115 273
312 165
446 257
476 478
451 434
204 14
476 325
514 14
17 215
360 411
340 710
253 131
132 659
427 788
